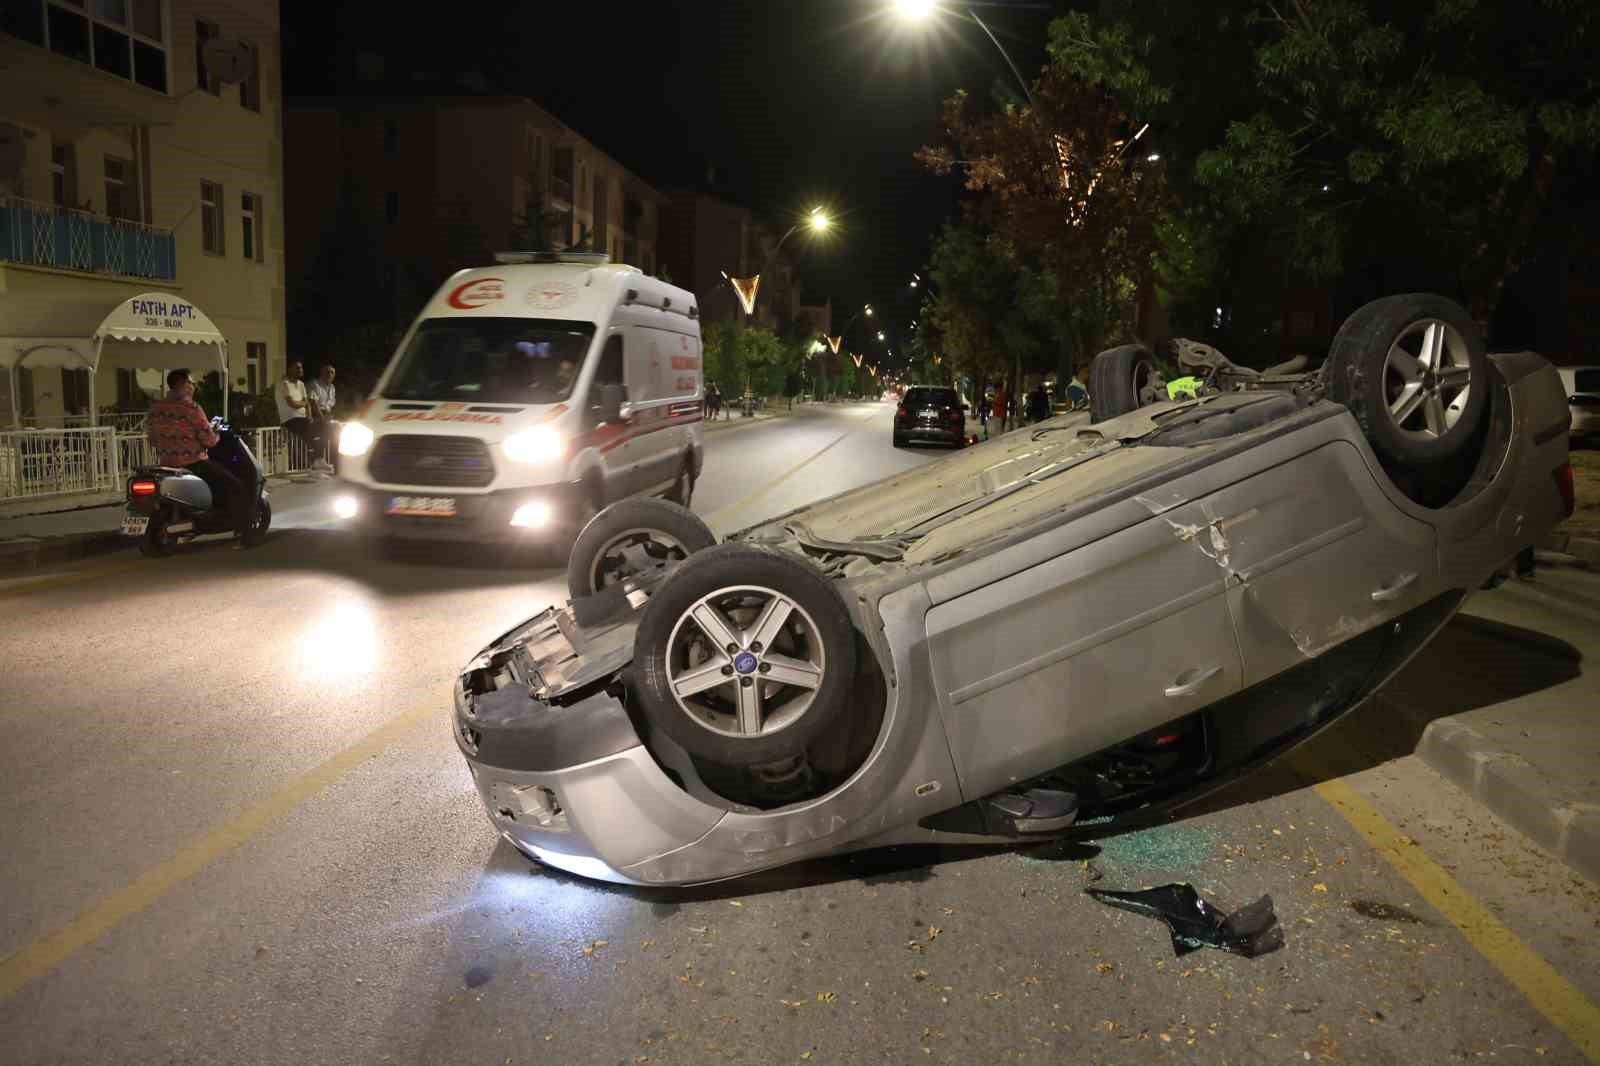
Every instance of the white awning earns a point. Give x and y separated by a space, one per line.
127 339
160 317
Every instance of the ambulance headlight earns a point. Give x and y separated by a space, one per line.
354 439
537 445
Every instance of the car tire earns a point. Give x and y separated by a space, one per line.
1384 366
629 537
1121 380
741 715
899 441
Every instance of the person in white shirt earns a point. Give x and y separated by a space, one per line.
323 398
294 411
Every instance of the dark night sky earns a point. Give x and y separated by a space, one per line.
793 101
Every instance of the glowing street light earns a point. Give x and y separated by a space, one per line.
920 11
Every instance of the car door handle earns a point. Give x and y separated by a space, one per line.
1196 678
1385 593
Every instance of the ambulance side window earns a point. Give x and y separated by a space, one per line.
609 372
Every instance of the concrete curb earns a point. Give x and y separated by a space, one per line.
29 553
1516 791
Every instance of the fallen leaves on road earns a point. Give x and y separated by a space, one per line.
1104 967
827 997
594 946
1319 887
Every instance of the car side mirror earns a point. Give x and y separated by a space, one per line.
612 397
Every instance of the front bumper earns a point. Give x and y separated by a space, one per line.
480 516
567 782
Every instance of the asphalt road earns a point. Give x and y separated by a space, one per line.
237 831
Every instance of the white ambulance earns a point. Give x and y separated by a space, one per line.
524 398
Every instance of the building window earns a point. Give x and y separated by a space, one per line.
63 175
122 189
203 32
391 136
250 225
255 366
250 88
75 391
125 38
211 232
391 207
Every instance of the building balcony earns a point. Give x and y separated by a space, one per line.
36 234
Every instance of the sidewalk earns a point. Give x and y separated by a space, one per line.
1528 747
35 533
91 525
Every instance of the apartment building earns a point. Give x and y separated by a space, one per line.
127 166
706 240
408 188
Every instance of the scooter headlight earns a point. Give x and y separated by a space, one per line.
354 439
537 445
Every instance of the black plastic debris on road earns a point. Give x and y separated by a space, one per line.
1195 924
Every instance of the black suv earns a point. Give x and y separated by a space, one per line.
930 413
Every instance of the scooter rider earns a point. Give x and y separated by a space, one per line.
180 433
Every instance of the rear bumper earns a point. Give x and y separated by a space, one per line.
479 516
941 434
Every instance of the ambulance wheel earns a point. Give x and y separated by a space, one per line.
682 491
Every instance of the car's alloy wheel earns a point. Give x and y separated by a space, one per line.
744 655
745 661
1413 369
1427 379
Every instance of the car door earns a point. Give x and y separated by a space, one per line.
1092 647
1318 554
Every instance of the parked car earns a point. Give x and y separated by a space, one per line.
930 413
1583 399
1064 630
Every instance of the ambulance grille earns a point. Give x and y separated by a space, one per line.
436 462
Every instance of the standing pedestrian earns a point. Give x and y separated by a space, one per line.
323 398
294 409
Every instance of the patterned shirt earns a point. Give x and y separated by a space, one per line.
179 430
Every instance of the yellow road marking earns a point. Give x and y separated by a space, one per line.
58 945
1541 984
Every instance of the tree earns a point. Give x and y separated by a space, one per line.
1076 208
1427 136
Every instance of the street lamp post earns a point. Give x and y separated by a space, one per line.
921 10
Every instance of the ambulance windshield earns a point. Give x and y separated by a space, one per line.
491 360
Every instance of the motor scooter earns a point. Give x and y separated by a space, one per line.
172 505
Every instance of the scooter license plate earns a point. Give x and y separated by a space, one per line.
422 506
134 525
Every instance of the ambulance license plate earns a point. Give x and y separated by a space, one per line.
422 506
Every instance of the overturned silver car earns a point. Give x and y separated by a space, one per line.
1067 627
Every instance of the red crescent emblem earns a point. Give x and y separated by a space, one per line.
470 295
